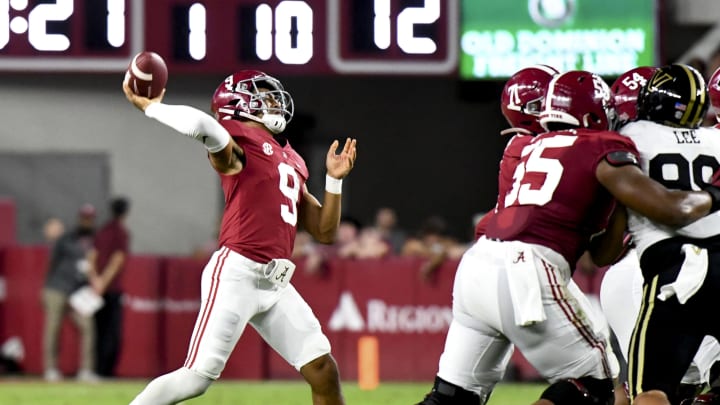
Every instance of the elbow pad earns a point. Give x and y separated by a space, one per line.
621 158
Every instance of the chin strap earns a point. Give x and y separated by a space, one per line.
274 122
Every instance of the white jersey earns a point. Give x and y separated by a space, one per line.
679 158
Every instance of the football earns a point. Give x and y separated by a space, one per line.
147 74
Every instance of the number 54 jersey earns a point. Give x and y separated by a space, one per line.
678 158
262 201
556 200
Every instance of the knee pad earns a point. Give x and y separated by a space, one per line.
580 391
445 393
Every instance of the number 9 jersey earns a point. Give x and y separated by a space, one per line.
678 158
262 201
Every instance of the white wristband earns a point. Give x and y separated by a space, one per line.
333 185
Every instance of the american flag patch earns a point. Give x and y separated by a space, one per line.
680 106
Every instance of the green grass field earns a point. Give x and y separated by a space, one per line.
34 392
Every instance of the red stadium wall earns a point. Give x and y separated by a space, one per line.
382 298
7 221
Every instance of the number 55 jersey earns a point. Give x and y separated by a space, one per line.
678 158
556 200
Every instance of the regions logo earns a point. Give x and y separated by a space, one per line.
384 318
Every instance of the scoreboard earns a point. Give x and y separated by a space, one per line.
304 37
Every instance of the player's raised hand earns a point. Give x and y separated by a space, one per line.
139 101
339 165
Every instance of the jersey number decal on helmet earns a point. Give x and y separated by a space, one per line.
229 83
290 188
522 192
635 82
514 101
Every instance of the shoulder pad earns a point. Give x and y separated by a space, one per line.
622 158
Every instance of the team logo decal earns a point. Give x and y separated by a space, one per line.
267 149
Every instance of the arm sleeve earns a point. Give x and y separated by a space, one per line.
191 122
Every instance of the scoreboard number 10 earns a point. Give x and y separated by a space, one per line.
285 31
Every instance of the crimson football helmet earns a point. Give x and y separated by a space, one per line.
523 96
625 92
578 99
714 90
253 95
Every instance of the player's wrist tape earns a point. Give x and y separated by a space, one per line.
333 185
714 192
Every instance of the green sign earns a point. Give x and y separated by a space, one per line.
607 37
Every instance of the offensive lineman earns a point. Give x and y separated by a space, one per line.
247 279
521 102
511 286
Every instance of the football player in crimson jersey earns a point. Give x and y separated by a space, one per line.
621 288
511 285
247 279
521 102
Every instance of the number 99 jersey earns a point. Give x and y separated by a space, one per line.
678 158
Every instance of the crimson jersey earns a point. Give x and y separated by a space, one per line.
508 163
555 199
262 201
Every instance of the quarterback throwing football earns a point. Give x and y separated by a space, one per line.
247 279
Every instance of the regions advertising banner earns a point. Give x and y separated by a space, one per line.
606 37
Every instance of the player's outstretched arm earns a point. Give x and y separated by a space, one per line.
322 220
651 199
225 155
